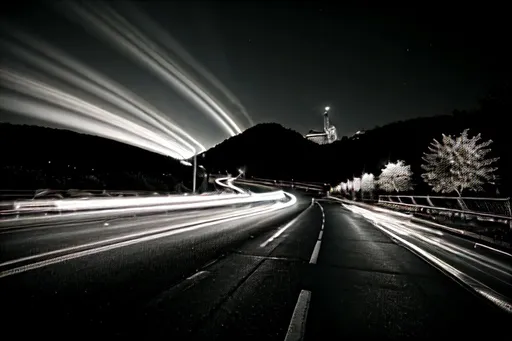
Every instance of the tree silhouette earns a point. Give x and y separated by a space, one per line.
395 177
458 164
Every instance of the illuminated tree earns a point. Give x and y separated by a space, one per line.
395 177
344 187
367 182
356 187
350 186
458 164
336 189
356 183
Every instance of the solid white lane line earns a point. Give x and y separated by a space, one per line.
284 228
297 327
318 244
316 251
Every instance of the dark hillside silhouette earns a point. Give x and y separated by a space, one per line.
265 150
272 151
37 157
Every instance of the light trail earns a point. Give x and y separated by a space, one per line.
229 184
126 130
89 80
101 207
164 37
419 239
62 255
171 226
111 26
141 205
73 96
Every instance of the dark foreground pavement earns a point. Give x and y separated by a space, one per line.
235 281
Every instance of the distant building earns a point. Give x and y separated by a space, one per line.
328 135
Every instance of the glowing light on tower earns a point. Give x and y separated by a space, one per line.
329 133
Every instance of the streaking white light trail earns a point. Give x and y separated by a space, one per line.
160 203
70 95
229 184
126 130
87 79
135 238
412 237
81 208
215 217
154 30
51 114
118 31
287 226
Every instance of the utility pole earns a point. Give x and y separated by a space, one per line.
195 173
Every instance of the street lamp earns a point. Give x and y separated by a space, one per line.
187 163
204 169
327 108
205 178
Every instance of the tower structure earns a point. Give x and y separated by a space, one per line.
326 120
329 133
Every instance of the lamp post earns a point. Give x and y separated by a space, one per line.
194 165
195 173
204 184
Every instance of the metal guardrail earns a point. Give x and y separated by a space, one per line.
493 208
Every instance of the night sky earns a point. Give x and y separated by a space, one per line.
285 61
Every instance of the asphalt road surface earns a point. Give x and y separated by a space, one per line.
314 271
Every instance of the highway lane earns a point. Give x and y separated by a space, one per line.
48 237
250 292
482 266
104 293
41 234
242 279
44 212
366 285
